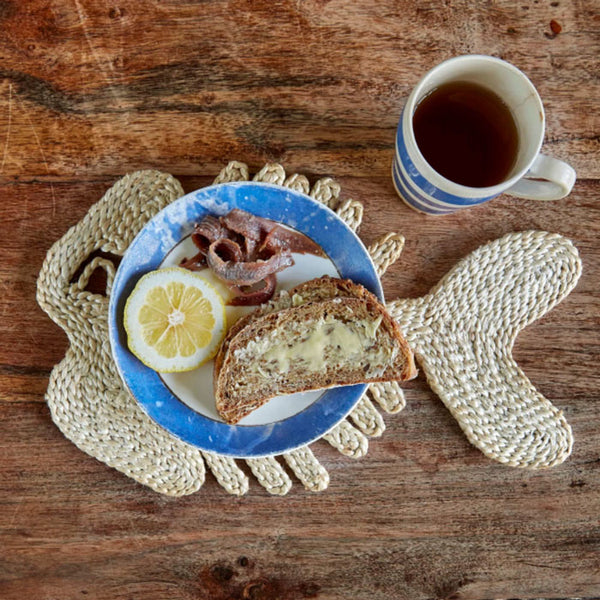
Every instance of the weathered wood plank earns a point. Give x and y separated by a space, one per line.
423 512
90 90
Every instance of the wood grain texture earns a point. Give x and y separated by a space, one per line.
91 90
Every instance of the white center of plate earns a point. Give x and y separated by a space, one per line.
195 388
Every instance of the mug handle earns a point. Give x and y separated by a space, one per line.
547 179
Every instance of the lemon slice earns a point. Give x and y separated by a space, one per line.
175 320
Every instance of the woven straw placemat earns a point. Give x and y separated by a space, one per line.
462 333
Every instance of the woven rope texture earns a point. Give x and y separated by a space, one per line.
472 316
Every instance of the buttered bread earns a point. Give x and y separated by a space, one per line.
324 333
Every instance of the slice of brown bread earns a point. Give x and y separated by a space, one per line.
321 288
320 344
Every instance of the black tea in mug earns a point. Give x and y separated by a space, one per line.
467 134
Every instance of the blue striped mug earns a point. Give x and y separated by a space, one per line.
533 176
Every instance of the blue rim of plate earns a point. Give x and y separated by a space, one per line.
147 252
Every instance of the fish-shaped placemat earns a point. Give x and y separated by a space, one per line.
462 333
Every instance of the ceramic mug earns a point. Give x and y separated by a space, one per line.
534 176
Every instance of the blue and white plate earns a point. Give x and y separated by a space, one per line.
183 403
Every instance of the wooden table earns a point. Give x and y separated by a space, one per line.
92 90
